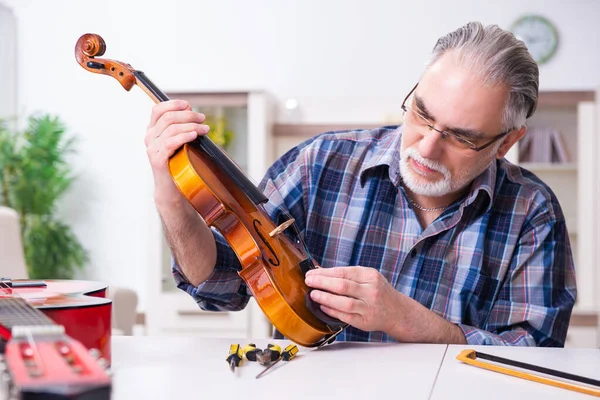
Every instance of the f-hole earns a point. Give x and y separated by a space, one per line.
275 262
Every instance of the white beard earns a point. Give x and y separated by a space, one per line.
446 185
420 186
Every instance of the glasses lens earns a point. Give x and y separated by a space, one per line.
418 121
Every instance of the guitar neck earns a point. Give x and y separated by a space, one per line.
16 312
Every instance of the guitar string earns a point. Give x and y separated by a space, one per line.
16 303
19 305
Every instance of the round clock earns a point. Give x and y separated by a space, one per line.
539 35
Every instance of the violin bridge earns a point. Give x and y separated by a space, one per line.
282 227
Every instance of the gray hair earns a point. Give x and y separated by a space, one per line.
499 58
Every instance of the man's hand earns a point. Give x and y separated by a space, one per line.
359 296
363 298
172 124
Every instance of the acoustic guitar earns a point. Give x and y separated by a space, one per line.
55 337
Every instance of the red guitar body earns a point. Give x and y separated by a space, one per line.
80 306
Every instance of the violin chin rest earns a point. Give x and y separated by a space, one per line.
333 323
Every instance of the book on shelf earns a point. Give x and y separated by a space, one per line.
543 145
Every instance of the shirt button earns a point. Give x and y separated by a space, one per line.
413 253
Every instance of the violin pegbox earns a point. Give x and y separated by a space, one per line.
88 47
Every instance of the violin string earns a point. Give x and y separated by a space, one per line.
297 232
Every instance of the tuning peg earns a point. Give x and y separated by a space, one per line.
7 386
103 362
95 353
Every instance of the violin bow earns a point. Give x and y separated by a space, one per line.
472 357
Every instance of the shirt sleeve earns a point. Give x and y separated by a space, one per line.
225 290
535 302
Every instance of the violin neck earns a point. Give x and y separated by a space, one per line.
155 92
208 147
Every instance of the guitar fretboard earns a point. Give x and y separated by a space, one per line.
16 311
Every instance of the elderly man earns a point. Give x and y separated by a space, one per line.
425 232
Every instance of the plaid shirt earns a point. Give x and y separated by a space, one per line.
497 262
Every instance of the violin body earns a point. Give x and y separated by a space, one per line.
270 263
80 306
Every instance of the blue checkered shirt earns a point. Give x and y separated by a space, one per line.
497 262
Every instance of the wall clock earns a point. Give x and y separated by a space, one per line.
539 35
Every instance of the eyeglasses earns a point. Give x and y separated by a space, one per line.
454 140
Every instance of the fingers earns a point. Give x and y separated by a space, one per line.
160 150
345 304
349 318
340 286
169 113
172 105
172 123
357 274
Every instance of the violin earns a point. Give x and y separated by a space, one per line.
273 265
55 336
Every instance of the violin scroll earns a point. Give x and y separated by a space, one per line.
91 45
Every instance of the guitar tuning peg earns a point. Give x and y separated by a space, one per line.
7 385
103 362
95 353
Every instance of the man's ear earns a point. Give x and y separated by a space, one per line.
509 141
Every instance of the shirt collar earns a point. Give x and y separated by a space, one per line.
484 184
385 152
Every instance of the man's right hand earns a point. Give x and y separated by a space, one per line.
172 124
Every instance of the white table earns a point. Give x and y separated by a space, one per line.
153 367
456 378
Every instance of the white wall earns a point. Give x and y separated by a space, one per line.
344 60
8 71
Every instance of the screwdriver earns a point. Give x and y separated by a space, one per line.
250 351
288 353
235 356
268 355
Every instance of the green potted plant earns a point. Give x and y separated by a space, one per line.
34 174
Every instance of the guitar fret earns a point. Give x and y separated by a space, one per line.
16 311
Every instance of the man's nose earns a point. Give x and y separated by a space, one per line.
431 144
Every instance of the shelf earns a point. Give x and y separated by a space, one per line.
584 317
310 130
564 98
549 167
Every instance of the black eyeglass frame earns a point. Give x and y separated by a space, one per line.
446 133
